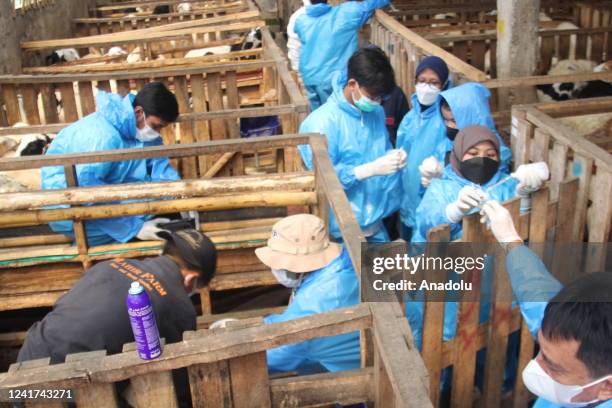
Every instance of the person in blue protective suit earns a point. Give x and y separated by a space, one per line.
322 278
572 324
329 38
462 106
420 133
473 169
128 122
358 144
470 179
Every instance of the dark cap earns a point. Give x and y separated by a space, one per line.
196 250
436 64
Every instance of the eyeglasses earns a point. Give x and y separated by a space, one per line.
433 82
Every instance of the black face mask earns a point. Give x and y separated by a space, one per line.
479 170
451 133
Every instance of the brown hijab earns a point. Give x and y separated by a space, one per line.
467 138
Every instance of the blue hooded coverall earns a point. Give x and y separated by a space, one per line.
445 190
469 103
329 38
432 212
111 127
354 138
531 284
331 287
419 134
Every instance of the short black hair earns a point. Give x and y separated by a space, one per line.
157 100
372 70
206 274
582 311
318 1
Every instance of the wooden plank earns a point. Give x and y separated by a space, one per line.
462 394
478 54
68 102
391 336
201 130
86 97
601 208
78 225
262 199
345 387
433 320
215 101
11 103
522 135
547 50
186 128
521 395
454 63
30 104
137 36
582 167
499 324
176 151
383 391
94 395
249 381
209 383
39 363
303 181
539 147
545 79
558 166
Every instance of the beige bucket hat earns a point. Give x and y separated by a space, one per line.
299 244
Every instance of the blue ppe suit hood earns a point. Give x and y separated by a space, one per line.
354 138
469 103
419 134
331 287
445 190
329 36
111 127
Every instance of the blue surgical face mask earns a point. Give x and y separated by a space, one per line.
364 103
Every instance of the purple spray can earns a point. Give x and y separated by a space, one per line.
142 319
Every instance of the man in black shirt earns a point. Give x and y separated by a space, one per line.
93 314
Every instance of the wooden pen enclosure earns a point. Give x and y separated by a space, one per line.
545 132
212 100
23 257
159 46
148 6
227 367
407 47
201 10
549 235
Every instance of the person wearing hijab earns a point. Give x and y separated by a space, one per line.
471 179
420 133
462 106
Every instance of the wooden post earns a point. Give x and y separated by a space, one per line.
517 41
80 235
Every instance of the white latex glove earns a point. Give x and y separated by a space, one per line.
530 177
149 229
189 214
387 164
221 324
430 168
469 198
499 221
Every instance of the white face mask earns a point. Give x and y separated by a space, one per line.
540 383
426 93
146 134
287 279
